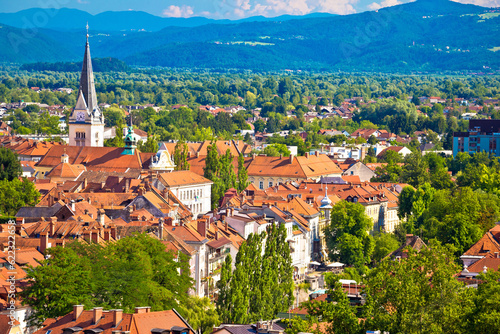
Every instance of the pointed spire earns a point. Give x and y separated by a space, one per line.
87 87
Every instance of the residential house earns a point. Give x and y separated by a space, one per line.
97 320
361 170
267 171
403 151
193 190
261 327
488 244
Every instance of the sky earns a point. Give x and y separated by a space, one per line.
219 9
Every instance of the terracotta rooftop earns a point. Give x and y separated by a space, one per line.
183 178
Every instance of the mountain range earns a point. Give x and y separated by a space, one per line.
425 35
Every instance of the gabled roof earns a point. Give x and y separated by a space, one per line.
182 178
486 245
411 241
137 323
107 159
296 168
185 234
66 170
490 262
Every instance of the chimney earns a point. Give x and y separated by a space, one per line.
127 185
281 156
144 309
254 155
97 312
292 157
189 154
44 242
100 216
169 221
197 154
307 155
497 255
316 153
202 228
52 226
117 317
113 232
85 183
73 205
77 310
226 226
160 228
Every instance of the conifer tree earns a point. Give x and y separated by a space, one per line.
262 282
180 156
242 174
224 299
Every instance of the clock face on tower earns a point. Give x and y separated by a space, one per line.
80 116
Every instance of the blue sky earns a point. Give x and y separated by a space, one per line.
218 9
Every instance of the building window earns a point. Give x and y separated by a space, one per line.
261 185
270 183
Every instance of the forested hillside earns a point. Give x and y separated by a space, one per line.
423 36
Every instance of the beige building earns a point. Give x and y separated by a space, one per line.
266 172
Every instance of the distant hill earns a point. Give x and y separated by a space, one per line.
74 19
22 46
424 35
98 65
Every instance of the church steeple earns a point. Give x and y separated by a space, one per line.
87 79
86 123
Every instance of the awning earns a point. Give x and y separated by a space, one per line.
315 263
335 265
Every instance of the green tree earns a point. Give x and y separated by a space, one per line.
418 294
10 168
16 194
220 170
338 313
385 243
113 116
347 236
150 146
415 170
485 316
117 140
242 174
108 276
274 150
180 156
200 313
262 282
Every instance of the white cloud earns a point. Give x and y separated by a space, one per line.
337 7
385 3
235 9
296 7
483 3
178 11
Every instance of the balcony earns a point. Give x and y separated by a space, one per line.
213 257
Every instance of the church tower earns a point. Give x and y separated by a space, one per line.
86 123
